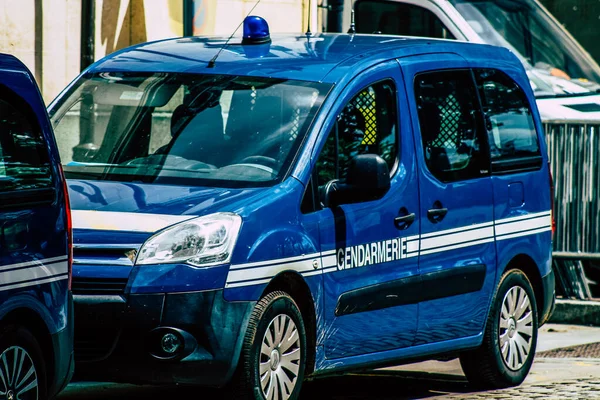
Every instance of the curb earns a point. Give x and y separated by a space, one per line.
576 312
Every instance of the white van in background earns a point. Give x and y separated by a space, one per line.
565 78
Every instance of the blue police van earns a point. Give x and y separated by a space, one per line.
254 212
36 307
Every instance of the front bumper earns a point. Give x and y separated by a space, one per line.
116 337
549 299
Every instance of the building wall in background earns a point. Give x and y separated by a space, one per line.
582 19
46 34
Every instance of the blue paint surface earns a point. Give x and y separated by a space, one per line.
33 237
274 228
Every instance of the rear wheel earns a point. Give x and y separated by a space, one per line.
506 355
22 370
274 351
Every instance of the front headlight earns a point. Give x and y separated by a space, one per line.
201 242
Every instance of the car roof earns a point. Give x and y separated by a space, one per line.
321 57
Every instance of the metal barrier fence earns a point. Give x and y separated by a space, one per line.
574 151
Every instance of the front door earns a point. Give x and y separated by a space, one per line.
370 247
457 259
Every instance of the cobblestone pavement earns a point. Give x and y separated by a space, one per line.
591 350
570 389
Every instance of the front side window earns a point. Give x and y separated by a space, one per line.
508 117
448 119
367 125
24 160
396 18
170 128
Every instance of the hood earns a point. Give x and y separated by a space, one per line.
124 212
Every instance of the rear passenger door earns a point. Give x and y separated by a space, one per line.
521 212
457 260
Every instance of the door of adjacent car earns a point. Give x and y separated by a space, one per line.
33 237
370 247
457 260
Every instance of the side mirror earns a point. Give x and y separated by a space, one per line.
367 179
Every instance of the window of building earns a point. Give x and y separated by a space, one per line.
449 124
508 117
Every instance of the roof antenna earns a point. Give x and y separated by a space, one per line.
308 32
213 61
352 29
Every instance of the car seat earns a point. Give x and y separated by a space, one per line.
430 121
197 134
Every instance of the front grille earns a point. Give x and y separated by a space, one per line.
104 286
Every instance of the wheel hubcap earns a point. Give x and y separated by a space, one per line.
279 358
18 377
516 328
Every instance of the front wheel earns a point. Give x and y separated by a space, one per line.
22 372
506 355
274 351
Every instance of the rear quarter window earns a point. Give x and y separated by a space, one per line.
513 139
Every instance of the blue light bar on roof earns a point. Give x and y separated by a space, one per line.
256 30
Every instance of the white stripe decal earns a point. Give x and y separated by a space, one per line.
239 284
519 234
457 246
35 262
276 261
38 282
32 273
523 225
124 221
456 238
456 230
329 261
269 271
429 243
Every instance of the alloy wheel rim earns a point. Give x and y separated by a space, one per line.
279 361
18 376
516 328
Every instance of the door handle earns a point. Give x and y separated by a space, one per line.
404 220
435 215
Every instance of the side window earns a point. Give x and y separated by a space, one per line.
449 123
394 18
24 160
508 117
367 125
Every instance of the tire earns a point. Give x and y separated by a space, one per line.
509 331
265 355
30 383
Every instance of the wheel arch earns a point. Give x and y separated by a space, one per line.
527 265
32 321
294 284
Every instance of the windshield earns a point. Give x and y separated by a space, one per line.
202 130
555 63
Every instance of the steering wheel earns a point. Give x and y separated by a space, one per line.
262 160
